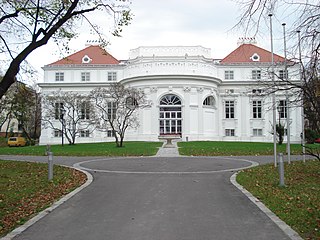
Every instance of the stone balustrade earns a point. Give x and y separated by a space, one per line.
182 67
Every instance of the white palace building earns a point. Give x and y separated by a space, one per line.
190 93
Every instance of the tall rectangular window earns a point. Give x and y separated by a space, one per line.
257 109
57 110
282 109
112 76
85 76
229 109
112 108
283 74
228 74
256 74
85 110
59 77
229 132
110 133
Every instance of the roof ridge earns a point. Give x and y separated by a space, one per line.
245 53
95 53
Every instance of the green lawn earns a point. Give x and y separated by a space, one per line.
209 148
25 190
88 149
298 204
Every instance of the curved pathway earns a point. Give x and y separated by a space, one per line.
151 198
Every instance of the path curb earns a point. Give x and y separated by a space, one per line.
293 235
46 211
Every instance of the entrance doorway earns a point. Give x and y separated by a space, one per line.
170 115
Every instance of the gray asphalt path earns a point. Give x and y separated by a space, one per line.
157 198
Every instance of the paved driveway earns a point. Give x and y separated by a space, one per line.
185 198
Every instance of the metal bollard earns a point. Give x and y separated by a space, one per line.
281 170
48 149
50 166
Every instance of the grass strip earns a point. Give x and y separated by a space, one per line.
25 190
212 148
88 149
297 203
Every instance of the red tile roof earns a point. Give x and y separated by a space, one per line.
95 53
245 52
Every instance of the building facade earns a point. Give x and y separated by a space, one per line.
190 94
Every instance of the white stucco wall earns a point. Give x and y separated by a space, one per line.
192 77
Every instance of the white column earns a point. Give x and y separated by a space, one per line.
200 113
186 113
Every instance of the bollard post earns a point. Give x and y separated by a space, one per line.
50 166
281 170
48 149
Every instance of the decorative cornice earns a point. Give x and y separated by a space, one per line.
153 89
187 89
200 89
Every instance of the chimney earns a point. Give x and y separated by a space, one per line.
92 43
247 40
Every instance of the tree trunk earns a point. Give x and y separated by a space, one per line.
8 126
26 133
121 141
117 139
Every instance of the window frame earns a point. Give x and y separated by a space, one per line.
230 132
57 133
209 101
256 109
57 110
112 76
257 132
59 76
111 110
282 109
85 76
256 74
229 107
85 111
229 74
84 133
283 74
110 133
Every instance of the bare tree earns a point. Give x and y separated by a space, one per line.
69 114
117 106
29 24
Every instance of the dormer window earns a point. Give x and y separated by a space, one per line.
86 59
255 57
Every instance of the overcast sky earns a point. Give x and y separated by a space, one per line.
168 23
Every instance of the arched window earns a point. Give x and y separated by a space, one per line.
170 115
170 99
209 101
